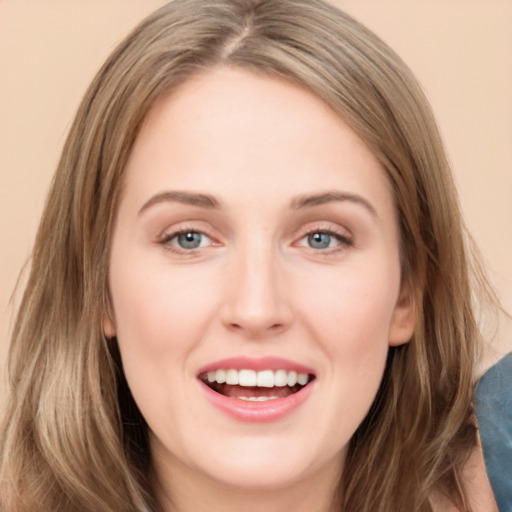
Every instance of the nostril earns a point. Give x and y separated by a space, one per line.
256 330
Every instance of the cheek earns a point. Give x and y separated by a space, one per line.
158 309
356 340
161 316
357 307
351 320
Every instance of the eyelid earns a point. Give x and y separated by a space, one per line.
343 235
171 236
169 233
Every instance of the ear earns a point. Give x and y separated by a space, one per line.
404 317
108 327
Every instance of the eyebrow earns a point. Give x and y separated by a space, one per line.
191 198
210 202
304 201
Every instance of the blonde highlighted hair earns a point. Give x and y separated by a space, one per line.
72 438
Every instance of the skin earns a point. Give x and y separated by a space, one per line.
255 287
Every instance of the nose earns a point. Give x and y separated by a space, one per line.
257 301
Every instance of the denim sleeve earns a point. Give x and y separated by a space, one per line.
494 414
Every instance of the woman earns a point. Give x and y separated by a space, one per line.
251 284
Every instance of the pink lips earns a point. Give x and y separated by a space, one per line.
256 412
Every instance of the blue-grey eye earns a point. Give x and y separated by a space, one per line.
189 240
320 240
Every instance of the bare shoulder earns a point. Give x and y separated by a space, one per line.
479 489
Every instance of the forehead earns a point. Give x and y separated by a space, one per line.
251 132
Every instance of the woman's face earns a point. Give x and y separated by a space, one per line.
256 242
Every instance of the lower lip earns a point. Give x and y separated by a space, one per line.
257 412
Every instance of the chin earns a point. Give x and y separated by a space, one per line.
267 465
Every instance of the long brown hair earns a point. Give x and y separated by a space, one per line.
72 438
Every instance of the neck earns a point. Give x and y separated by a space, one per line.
182 490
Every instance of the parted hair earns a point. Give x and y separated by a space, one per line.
72 439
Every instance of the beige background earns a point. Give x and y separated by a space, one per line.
461 50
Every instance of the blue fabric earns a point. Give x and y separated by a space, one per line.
494 414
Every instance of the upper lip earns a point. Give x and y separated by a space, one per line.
257 364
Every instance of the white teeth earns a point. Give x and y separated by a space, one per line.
232 377
281 378
265 379
247 378
262 379
302 379
257 398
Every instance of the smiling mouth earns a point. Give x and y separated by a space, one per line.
256 386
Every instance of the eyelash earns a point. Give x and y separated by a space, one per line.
344 241
166 239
